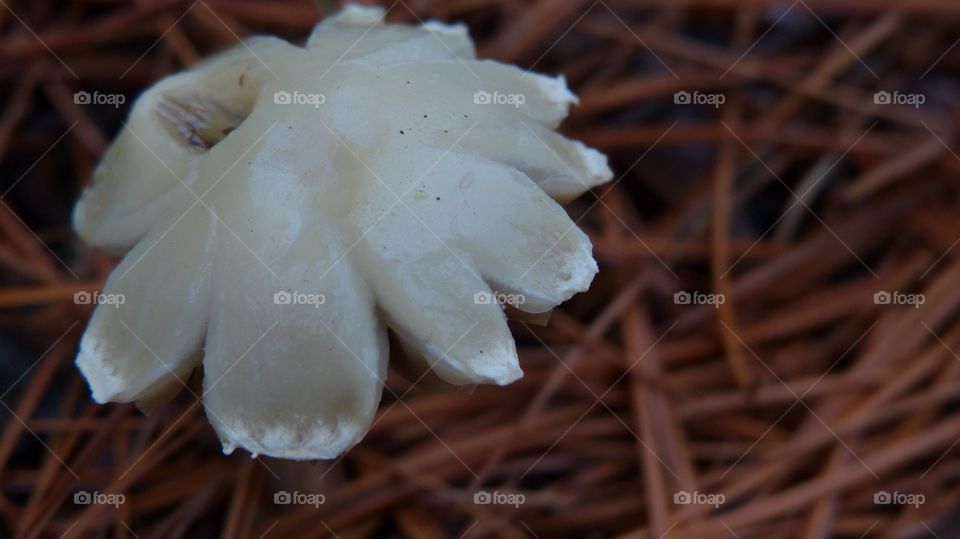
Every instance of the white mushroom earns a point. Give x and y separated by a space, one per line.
280 207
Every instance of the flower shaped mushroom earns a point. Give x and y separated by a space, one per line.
280 207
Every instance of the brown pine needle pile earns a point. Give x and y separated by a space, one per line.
770 349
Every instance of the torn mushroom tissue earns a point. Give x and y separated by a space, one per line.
279 207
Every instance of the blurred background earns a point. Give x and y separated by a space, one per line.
769 349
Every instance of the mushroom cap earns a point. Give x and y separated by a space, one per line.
278 208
